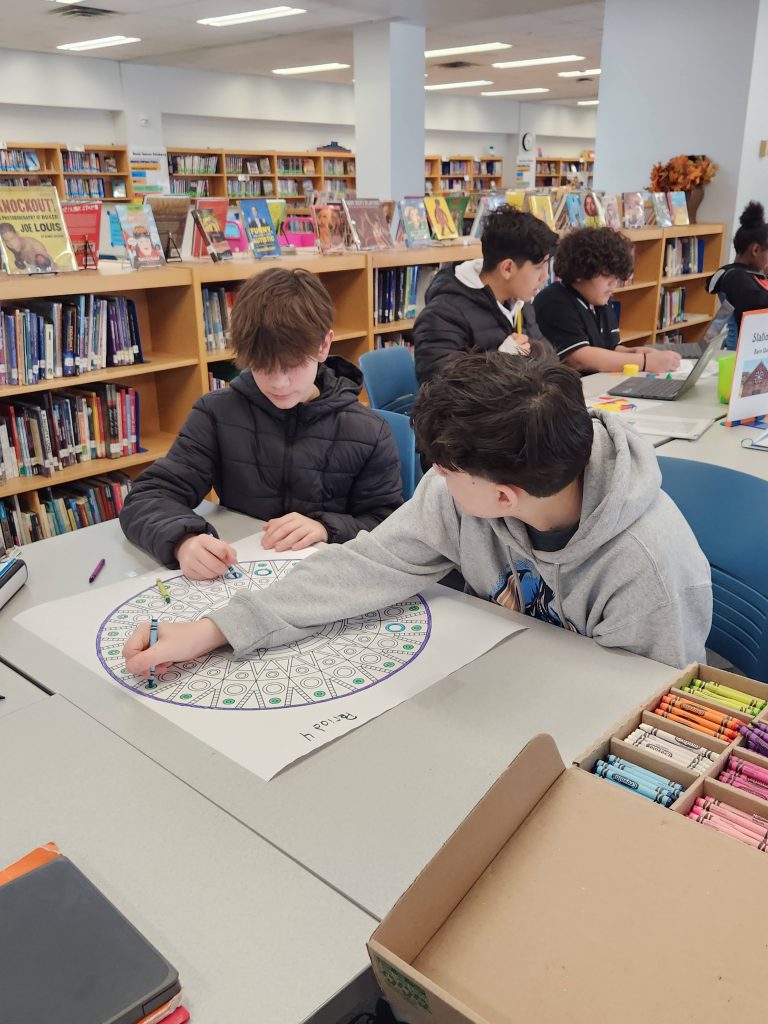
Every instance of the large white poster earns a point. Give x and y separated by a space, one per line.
268 710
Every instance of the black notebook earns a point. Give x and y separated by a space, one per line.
68 956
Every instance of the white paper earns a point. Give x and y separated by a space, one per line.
687 428
266 712
625 406
749 393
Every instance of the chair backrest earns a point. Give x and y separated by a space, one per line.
390 378
402 431
725 511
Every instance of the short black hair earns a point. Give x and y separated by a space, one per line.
510 234
590 252
508 419
752 229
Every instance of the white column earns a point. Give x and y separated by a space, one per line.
685 77
389 109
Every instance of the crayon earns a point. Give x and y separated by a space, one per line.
727 691
666 748
743 707
728 829
164 592
710 803
693 762
702 718
652 777
151 684
97 570
657 794
744 827
670 737
708 728
700 711
754 771
232 573
744 784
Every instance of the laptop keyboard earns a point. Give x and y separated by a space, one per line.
645 387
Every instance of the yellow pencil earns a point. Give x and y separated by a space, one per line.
520 320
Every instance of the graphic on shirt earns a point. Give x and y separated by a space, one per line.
534 597
340 659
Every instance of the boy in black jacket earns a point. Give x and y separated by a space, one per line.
288 442
483 305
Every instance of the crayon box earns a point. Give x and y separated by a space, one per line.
562 898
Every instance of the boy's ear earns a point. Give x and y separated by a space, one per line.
325 347
506 267
508 498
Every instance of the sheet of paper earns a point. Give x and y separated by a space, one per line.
610 403
686 368
270 710
689 429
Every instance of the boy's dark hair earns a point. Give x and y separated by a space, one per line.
589 252
753 230
280 319
508 419
510 234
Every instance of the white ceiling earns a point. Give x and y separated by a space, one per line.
170 36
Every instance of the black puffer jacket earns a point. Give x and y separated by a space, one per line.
458 319
330 459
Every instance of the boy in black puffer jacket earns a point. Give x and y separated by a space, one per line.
483 305
288 442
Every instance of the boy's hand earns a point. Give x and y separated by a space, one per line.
516 343
293 532
203 557
660 362
176 641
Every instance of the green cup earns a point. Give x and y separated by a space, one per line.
725 367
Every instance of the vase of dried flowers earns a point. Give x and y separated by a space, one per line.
687 174
693 198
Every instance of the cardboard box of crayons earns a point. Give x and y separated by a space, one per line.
562 897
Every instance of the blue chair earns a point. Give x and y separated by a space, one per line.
405 439
390 378
725 511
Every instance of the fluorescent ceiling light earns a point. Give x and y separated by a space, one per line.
265 14
66 1
578 74
588 103
535 62
97 44
513 92
309 68
477 48
458 85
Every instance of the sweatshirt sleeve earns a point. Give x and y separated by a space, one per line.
440 334
744 291
375 492
673 633
159 508
417 545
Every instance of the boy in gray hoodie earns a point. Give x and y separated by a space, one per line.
546 509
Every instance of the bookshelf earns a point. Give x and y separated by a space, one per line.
170 315
432 172
78 173
552 171
640 301
487 173
196 173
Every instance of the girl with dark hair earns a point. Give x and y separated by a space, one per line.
744 283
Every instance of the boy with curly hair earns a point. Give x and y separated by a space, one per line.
575 313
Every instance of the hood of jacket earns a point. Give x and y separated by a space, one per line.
463 280
621 482
338 381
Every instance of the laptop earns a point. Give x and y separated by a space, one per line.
669 390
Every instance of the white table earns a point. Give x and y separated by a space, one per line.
366 813
701 401
721 446
253 935
18 692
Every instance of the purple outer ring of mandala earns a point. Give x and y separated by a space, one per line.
282 707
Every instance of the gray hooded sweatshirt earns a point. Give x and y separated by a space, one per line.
632 576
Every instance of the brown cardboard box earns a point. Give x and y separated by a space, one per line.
561 898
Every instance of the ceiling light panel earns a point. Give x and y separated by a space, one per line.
457 85
451 51
98 44
265 14
308 69
536 62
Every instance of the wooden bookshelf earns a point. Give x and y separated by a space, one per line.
75 172
432 174
640 300
170 314
552 171
209 180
